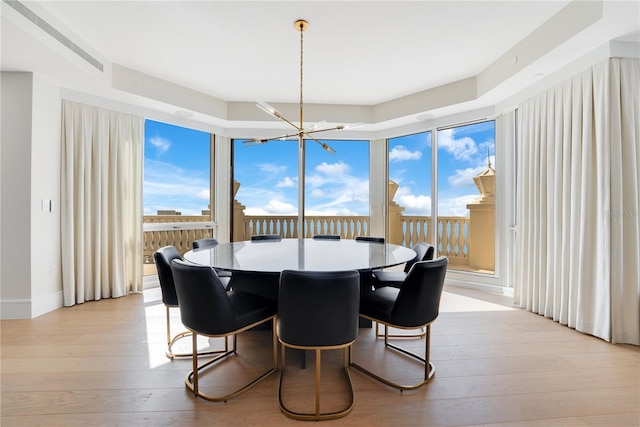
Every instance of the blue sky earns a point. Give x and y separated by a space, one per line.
176 172
176 169
336 184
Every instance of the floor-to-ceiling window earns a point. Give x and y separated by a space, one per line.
266 183
462 223
177 188
337 188
466 196
336 192
409 213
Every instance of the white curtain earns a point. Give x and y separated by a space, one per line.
101 186
578 250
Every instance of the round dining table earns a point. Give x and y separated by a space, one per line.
266 256
269 258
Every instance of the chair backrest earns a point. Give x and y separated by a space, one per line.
205 306
370 239
418 301
163 258
424 252
208 242
431 253
318 308
326 237
261 237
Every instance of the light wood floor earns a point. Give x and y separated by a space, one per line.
102 364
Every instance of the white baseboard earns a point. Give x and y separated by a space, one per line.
150 281
15 309
28 309
479 286
46 303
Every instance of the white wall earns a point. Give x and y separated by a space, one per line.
30 156
46 280
15 182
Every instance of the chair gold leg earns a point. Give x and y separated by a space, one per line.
317 415
318 366
172 340
414 335
429 369
192 378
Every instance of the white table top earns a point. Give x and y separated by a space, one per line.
301 254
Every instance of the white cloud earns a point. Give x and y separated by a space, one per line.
160 143
331 190
315 181
415 205
462 149
287 182
464 177
344 195
335 169
456 206
203 194
167 186
273 207
321 211
400 153
276 207
271 168
421 204
256 197
398 176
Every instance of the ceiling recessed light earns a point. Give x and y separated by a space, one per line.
184 113
538 75
423 117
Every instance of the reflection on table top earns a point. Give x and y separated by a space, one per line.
301 254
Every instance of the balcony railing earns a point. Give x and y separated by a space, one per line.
180 238
348 227
453 232
453 238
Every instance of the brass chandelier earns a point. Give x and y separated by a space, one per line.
300 132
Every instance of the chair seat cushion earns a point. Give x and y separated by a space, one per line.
250 308
379 303
388 278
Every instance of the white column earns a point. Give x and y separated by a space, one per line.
221 188
378 184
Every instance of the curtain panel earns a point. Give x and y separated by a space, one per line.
578 241
101 198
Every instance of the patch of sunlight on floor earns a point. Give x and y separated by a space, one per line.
156 326
455 303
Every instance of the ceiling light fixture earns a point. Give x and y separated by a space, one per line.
300 132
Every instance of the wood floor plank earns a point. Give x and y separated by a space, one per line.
617 420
